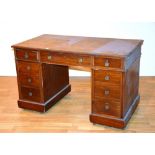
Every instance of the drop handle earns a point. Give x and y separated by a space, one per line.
106 63
49 57
26 56
106 106
29 80
106 92
30 93
80 60
107 77
28 67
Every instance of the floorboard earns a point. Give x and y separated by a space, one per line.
71 114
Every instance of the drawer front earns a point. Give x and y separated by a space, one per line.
27 55
107 107
27 68
65 59
29 80
109 77
31 94
107 91
107 62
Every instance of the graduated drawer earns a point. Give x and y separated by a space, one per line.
106 76
106 91
31 94
107 107
107 62
26 54
29 80
65 59
27 68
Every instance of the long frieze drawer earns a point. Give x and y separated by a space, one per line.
106 91
107 62
29 80
31 94
106 76
28 55
66 59
107 107
28 68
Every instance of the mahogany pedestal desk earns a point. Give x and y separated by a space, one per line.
42 65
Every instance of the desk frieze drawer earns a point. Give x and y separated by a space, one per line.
107 91
107 107
108 62
109 77
28 68
31 94
26 54
65 59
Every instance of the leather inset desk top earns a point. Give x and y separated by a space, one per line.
82 45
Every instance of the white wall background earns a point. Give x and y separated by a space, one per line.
21 20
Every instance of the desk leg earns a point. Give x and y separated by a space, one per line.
54 85
107 109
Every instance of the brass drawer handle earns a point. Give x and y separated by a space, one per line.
26 56
80 60
106 92
107 78
49 57
30 93
29 80
28 68
106 106
106 63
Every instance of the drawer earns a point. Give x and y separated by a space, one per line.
27 68
109 77
107 91
107 62
65 59
25 54
29 80
107 107
31 94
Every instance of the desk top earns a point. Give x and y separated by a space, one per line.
82 45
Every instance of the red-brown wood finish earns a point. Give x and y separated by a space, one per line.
108 62
108 77
106 90
107 107
54 79
65 59
43 62
26 54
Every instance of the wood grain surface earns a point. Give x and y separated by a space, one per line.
83 45
71 114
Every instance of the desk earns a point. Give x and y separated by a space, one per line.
42 65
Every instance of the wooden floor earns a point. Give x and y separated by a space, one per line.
71 114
